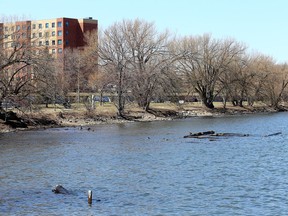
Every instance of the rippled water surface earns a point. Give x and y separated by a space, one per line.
148 169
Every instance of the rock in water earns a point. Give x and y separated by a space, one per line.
59 189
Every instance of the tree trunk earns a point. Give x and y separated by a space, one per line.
240 103
208 103
207 98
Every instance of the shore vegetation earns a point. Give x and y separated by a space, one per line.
130 71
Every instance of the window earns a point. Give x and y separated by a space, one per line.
40 34
40 43
46 25
59 42
12 28
34 26
17 27
53 33
53 51
67 32
59 50
59 24
24 27
34 35
53 42
47 43
67 42
40 26
53 24
59 33
23 35
46 34
6 28
6 36
67 23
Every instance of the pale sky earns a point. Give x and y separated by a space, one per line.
260 24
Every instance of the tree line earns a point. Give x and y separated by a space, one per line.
135 62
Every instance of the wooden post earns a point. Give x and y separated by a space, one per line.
89 197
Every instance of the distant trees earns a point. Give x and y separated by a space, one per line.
143 65
149 64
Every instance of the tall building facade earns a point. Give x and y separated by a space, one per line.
53 34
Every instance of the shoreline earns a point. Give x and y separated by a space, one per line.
69 120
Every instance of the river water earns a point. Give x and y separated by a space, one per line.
149 169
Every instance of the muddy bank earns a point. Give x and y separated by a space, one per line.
11 121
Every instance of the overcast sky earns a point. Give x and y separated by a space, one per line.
260 24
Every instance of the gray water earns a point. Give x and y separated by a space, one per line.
148 169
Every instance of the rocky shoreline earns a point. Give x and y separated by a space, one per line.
32 122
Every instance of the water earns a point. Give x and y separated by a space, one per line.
148 169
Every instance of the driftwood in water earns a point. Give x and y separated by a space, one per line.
199 134
209 134
274 134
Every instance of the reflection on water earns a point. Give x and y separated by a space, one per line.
148 169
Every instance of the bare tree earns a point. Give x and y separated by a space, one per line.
150 61
275 85
101 78
49 84
20 63
114 60
261 67
205 60
237 82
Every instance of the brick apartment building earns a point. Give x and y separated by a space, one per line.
53 34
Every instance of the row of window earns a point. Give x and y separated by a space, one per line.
53 51
47 34
18 27
34 26
47 43
39 43
14 36
47 25
60 50
34 35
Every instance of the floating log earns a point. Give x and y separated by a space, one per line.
209 134
199 134
230 134
273 134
